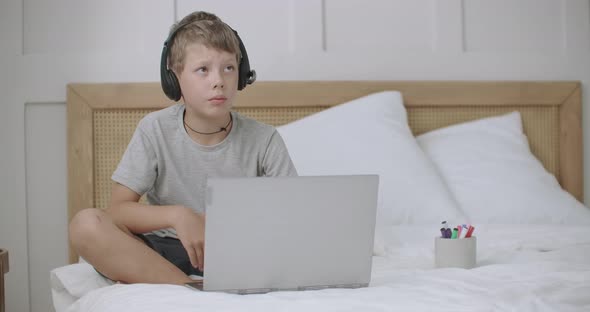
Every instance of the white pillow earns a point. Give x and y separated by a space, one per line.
73 281
493 175
370 135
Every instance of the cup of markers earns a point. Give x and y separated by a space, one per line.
456 247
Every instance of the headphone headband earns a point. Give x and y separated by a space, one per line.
169 81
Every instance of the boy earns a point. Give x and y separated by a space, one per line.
170 156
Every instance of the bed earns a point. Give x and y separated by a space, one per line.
504 155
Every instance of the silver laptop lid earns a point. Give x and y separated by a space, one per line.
287 233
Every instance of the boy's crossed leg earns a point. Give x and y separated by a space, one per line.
117 253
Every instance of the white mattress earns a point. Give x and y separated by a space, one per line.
522 268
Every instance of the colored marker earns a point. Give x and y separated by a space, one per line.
454 235
443 233
470 231
464 230
459 231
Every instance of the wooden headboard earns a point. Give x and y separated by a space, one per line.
102 117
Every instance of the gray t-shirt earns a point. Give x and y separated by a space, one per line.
164 162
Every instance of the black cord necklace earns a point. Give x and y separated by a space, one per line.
231 119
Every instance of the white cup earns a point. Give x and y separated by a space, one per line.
455 253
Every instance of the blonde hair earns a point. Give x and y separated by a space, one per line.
206 29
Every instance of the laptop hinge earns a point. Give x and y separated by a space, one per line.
255 291
319 287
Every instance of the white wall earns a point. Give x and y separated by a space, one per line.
46 44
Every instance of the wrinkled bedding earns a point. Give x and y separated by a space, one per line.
521 268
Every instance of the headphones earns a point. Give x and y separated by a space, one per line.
169 80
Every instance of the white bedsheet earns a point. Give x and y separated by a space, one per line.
520 268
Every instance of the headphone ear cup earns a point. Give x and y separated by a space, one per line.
168 79
170 85
245 74
241 79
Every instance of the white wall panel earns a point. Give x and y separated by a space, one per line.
535 26
45 128
448 27
307 42
71 26
10 28
306 32
128 47
47 82
388 25
13 215
577 28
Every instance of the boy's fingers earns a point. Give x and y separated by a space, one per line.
200 256
192 255
195 254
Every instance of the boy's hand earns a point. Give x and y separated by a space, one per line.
190 228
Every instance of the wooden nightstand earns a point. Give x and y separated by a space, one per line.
3 270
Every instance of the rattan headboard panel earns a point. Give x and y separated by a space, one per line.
112 132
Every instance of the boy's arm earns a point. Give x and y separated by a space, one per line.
126 210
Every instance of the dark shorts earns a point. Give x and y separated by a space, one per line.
172 250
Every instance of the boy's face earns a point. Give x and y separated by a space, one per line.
209 81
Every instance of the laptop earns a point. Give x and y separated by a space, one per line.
289 233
